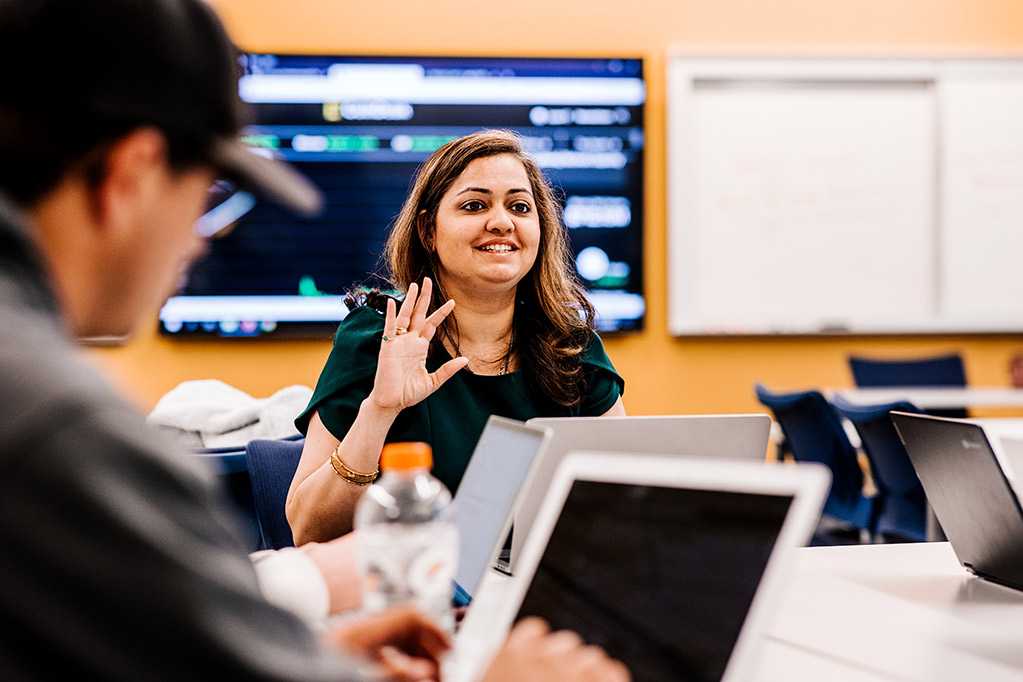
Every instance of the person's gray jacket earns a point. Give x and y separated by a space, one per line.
120 559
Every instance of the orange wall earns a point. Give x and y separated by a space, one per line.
664 375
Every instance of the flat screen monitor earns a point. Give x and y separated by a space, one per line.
359 127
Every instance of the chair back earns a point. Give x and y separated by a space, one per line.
272 465
942 370
903 512
814 433
937 371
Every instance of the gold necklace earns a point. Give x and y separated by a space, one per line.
458 353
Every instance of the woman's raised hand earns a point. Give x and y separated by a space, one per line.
402 379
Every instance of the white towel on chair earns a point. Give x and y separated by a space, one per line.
209 413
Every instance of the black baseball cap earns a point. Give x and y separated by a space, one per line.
101 67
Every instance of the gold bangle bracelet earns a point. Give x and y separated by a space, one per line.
353 477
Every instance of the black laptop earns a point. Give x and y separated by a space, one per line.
969 492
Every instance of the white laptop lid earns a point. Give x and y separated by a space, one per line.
483 503
734 436
672 565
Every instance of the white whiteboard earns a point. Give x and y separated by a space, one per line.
982 192
816 195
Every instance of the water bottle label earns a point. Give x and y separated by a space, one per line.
431 572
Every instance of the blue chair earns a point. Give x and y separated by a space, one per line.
814 433
943 370
937 371
903 504
272 465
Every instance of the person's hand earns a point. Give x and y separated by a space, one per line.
404 642
532 652
402 378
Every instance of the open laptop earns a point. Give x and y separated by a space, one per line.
483 504
969 492
673 565
734 436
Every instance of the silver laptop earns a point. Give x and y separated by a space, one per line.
738 436
483 504
673 565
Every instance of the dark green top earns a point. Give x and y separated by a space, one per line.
452 418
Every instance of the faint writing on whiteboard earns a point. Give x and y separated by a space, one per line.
804 193
992 169
810 205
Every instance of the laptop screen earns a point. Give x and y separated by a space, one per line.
483 503
662 578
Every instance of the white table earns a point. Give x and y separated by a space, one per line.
934 398
892 612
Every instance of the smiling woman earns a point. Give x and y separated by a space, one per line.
481 253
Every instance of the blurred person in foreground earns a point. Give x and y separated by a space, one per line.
121 559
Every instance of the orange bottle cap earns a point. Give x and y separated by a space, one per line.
406 456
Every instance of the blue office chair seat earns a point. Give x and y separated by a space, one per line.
903 504
814 433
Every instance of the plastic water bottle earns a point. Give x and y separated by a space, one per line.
407 541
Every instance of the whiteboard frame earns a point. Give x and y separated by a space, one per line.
685 69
